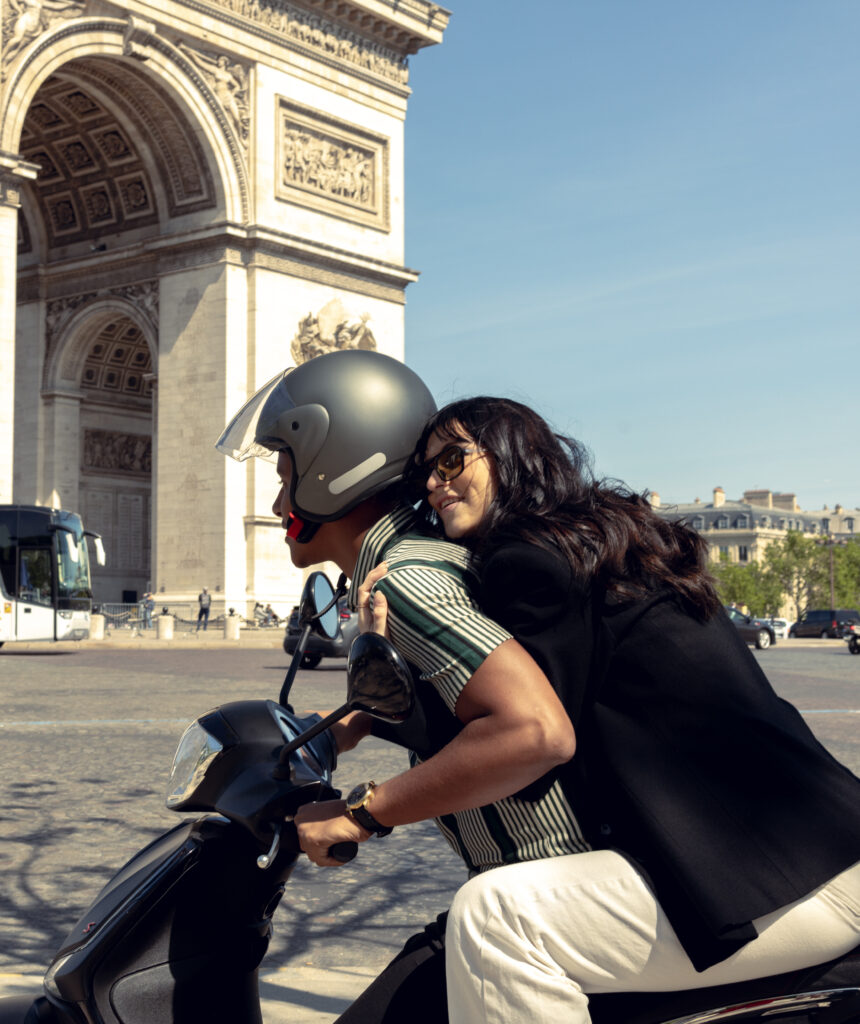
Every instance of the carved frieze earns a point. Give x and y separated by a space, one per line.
108 451
332 166
332 329
325 35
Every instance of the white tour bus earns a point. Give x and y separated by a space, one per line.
45 586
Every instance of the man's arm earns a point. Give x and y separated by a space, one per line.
515 731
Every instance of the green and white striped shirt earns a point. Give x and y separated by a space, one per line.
436 625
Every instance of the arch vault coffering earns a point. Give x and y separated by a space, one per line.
114 156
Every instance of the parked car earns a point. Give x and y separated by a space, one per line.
320 647
754 631
781 628
825 622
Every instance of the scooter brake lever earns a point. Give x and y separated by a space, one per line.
265 860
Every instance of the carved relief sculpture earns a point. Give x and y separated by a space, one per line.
229 82
330 330
332 166
27 19
316 161
111 452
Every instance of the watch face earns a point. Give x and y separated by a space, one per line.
357 796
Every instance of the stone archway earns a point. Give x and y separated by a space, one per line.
116 446
149 161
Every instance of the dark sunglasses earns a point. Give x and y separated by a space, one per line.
447 464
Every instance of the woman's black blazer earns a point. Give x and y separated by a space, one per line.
687 760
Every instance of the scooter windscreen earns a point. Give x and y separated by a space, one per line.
239 439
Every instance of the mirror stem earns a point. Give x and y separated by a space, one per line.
282 769
289 678
284 695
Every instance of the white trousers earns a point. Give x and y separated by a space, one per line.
526 942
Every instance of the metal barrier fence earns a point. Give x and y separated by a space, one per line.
120 616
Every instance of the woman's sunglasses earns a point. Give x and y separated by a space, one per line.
447 464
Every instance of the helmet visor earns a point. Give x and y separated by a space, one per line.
239 439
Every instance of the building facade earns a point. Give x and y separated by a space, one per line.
195 194
740 530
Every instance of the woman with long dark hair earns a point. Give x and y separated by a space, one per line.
722 839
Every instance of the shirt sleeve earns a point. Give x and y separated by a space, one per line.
436 624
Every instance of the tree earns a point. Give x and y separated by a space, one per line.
799 566
846 574
749 585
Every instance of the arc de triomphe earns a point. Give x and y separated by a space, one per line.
193 194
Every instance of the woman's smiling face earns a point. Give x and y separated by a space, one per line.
462 502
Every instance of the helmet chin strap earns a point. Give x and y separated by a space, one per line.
300 530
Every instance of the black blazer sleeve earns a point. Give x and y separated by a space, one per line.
532 592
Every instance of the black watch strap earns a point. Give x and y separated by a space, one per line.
367 821
356 808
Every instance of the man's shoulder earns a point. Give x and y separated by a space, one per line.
420 550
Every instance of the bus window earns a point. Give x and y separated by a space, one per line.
73 567
34 576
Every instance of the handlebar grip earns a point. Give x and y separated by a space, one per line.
344 852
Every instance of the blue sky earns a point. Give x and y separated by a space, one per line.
641 217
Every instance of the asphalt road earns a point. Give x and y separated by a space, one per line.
88 737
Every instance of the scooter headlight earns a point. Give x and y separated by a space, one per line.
197 750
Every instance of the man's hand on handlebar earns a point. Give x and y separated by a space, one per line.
323 825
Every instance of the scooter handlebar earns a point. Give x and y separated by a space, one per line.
344 852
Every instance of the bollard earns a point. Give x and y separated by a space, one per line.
97 627
231 627
165 627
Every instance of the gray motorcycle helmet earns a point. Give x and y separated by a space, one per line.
350 421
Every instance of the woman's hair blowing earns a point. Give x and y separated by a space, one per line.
546 494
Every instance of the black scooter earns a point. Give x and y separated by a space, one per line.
177 935
179 932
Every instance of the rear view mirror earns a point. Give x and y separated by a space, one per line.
378 682
98 545
378 679
317 611
317 607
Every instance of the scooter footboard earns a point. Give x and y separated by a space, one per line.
187 991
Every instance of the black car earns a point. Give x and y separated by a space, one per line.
826 622
320 647
754 631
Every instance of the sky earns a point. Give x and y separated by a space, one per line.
641 218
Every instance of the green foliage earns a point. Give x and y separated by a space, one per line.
748 585
797 564
796 567
846 577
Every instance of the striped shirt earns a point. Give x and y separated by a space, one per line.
437 626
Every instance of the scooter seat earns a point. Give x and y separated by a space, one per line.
656 1007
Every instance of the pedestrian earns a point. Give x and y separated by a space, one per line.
204 600
148 608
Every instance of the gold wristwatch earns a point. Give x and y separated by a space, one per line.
356 808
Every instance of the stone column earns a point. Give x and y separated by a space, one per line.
12 171
62 457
